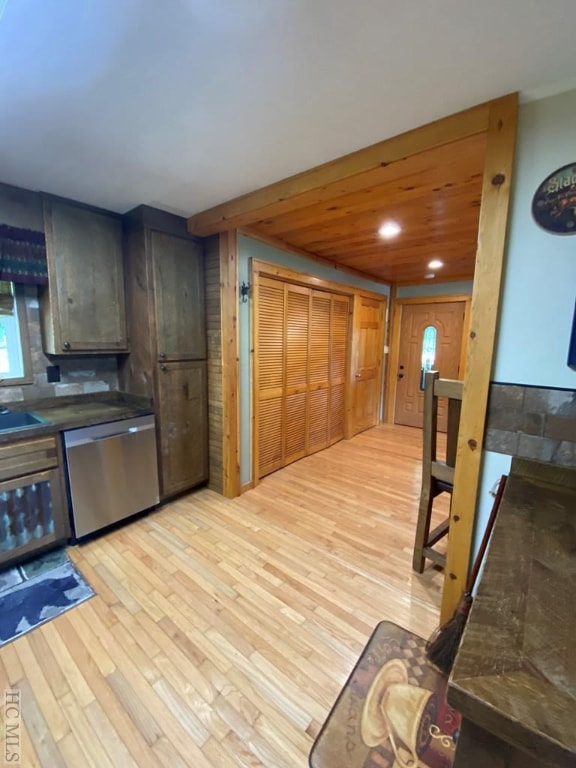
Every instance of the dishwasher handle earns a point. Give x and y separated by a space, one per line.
131 431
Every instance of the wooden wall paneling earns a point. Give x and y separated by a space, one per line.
501 137
214 362
228 252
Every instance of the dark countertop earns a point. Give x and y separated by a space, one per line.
61 413
515 673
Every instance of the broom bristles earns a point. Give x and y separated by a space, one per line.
442 647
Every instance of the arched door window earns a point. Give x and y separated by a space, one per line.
428 352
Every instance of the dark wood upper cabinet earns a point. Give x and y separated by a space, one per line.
83 307
179 297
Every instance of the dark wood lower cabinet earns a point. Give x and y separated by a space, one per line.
183 425
33 512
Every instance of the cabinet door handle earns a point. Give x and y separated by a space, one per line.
66 345
163 368
162 355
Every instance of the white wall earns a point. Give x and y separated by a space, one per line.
539 289
248 249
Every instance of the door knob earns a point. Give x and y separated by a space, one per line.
400 375
163 368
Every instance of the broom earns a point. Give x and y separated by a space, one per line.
442 647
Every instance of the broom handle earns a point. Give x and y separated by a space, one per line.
487 534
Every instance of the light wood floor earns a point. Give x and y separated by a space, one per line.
223 630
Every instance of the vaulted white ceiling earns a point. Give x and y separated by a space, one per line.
186 103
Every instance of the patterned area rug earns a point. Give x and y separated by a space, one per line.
392 711
38 591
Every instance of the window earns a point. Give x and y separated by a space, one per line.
429 347
14 345
428 353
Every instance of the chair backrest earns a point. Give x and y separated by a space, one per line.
434 388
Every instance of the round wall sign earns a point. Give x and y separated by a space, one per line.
554 202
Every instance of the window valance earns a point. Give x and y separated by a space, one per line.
22 256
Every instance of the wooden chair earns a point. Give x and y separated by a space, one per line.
437 476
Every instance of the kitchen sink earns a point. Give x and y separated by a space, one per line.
19 420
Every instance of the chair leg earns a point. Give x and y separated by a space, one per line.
422 527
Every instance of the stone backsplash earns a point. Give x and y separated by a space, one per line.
532 422
78 375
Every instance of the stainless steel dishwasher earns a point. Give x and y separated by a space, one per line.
112 472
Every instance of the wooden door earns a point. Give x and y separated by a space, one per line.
301 348
447 320
179 297
83 308
366 370
183 426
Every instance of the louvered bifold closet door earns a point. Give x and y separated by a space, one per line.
319 365
270 374
297 341
338 365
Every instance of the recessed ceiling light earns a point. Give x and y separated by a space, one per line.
430 276
389 229
435 264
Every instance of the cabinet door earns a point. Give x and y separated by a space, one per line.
84 308
179 297
32 514
183 422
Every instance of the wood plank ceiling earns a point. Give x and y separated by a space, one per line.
433 195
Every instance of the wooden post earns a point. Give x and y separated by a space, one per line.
230 394
500 143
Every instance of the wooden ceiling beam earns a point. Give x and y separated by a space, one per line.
306 188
